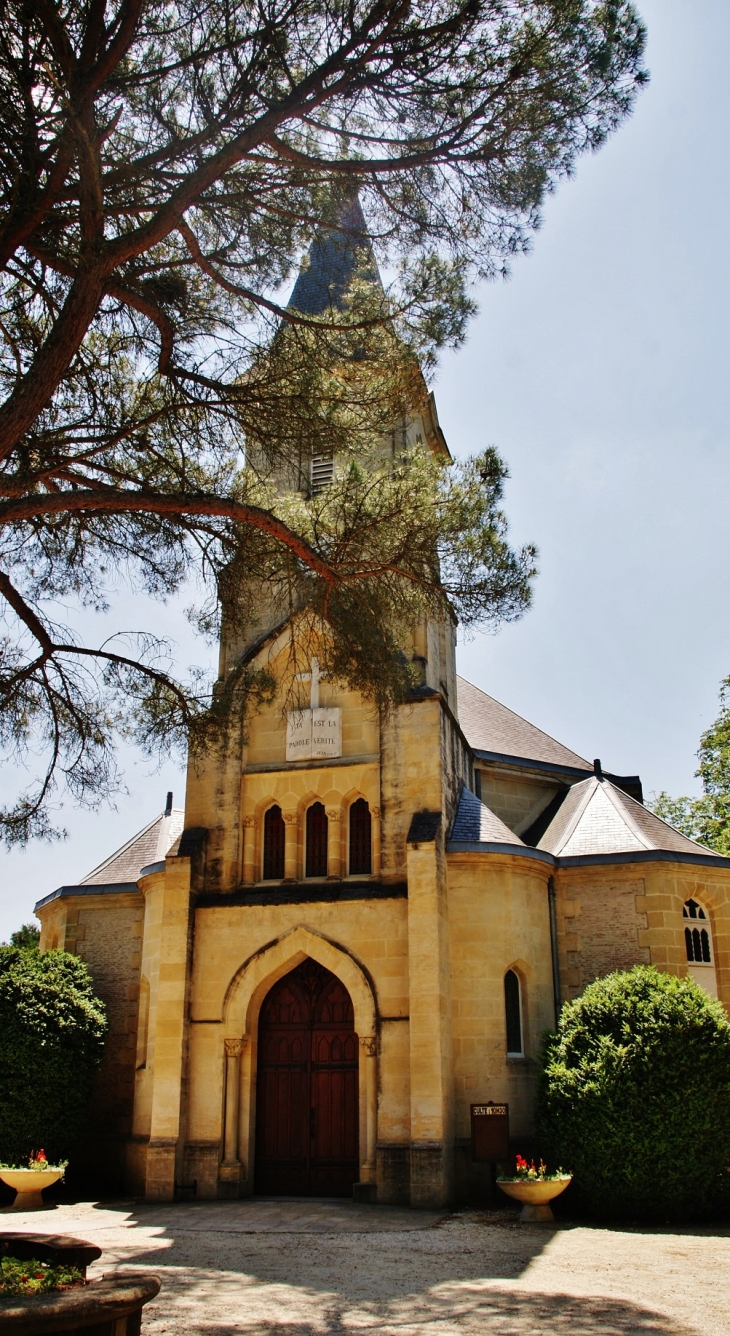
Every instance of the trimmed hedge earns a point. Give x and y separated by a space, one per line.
52 1031
634 1098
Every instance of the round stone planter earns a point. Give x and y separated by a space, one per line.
536 1194
108 1307
111 1306
29 1185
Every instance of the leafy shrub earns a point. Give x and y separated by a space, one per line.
634 1098
51 1038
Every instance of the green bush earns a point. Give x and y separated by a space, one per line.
634 1098
51 1038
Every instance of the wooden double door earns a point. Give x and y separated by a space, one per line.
307 1087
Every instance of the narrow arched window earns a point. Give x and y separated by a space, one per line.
316 843
361 858
698 946
513 1014
697 937
274 828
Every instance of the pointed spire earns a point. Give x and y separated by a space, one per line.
339 252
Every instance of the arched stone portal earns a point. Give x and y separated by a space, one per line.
245 997
307 1087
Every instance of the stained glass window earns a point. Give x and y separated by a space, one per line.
361 859
697 938
513 1014
317 826
273 845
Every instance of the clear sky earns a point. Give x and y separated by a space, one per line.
601 373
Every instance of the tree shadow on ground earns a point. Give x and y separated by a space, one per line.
356 1265
199 1309
469 1274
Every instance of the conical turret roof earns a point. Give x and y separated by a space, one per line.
339 253
596 817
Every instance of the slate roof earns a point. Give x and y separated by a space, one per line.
475 823
490 727
336 255
596 817
149 845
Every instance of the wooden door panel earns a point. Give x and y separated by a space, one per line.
335 1103
307 1087
285 1125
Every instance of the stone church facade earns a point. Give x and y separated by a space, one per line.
358 928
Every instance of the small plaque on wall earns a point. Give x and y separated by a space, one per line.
490 1131
298 735
327 732
313 734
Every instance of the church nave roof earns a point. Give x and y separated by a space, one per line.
490 727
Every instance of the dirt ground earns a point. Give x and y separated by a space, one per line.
297 1268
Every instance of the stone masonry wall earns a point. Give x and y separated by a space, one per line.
602 926
106 932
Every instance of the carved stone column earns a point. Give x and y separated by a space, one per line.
291 823
230 1168
334 838
248 861
375 838
369 1046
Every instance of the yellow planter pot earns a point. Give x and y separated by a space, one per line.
535 1193
29 1185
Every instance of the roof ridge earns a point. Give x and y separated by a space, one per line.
591 785
117 853
627 816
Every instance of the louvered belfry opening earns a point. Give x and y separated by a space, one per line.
316 844
274 835
361 858
322 472
307 1087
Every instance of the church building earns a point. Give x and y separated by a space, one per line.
358 928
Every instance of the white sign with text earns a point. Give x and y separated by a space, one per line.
313 734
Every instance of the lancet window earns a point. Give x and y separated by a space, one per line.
513 1014
697 936
273 862
316 841
698 946
361 839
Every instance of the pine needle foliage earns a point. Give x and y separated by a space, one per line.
164 165
634 1098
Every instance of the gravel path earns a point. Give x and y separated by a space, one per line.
311 1269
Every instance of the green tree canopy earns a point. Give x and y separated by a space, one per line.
26 938
52 1031
162 168
707 818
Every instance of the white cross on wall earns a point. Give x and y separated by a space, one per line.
314 677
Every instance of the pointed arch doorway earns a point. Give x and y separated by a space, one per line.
307 1087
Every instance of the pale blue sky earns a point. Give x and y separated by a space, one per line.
600 371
